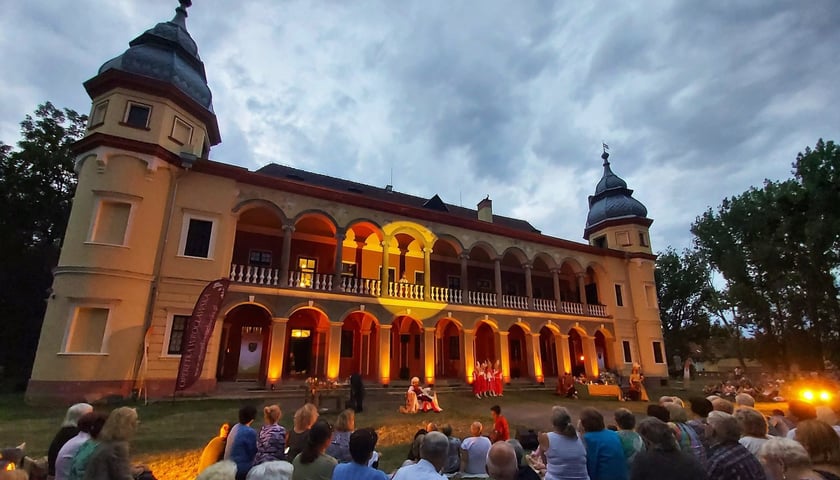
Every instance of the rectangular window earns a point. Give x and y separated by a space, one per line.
619 299
419 278
259 258
137 115
348 269
657 352
483 285
601 242
97 117
176 334
347 344
392 273
453 282
628 355
642 239
111 222
199 237
622 238
650 296
87 330
454 348
307 267
181 132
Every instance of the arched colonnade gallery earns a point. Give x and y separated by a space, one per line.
254 345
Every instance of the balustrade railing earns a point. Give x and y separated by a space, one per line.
266 276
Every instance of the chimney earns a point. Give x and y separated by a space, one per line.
485 210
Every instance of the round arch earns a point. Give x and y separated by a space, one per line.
308 214
573 263
359 349
253 203
547 259
449 350
413 229
307 333
486 344
244 343
228 307
485 247
516 253
371 225
408 353
452 241
577 336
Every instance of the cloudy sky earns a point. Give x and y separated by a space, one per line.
697 100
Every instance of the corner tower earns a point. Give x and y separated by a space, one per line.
151 119
616 220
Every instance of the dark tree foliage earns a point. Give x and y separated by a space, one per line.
36 190
777 250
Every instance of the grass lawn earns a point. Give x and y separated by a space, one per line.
172 434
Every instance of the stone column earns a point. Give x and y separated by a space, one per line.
497 266
277 350
581 287
504 355
529 286
386 253
555 277
385 354
288 230
465 289
590 357
468 357
564 358
535 369
427 274
429 354
334 351
340 235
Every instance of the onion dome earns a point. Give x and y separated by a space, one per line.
612 200
166 52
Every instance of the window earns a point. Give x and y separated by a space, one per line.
657 352
197 236
454 348
97 117
87 330
628 355
600 242
419 277
111 222
623 238
483 285
177 327
137 115
259 258
347 344
392 273
643 239
619 299
181 132
306 266
453 282
650 296
348 269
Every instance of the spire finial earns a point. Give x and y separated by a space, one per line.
181 13
606 154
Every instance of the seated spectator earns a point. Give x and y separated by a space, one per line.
247 411
744 400
777 424
111 459
274 470
271 441
753 428
339 448
224 470
686 437
244 445
80 460
827 415
658 411
631 442
69 429
701 408
784 459
501 462
433 454
214 451
799 412
313 463
474 451
723 405
88 423
362 444
414 451
453 462
823 446
525 472
662 458
728 459
604 454
296 438
562 450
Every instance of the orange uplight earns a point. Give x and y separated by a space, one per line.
10 466
825 396
808 395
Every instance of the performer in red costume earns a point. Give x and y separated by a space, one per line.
478 380
498 380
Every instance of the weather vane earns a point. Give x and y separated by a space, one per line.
606 147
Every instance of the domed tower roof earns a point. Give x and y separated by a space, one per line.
166 54
612 201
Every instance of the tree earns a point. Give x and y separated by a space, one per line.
681 283
37 184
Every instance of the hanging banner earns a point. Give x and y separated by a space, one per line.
197 333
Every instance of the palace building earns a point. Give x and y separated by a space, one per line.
329 277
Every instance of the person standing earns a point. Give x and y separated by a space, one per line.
501 429
357 393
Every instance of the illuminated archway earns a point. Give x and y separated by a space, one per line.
244 344
602 351
548 352
576 352
257 246
448 351
359 352
518 352
313 251
485 343
306 344
407 348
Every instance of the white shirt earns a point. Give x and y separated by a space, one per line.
476 449
421 470
64 461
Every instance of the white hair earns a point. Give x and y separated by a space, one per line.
276 470
224 470
74 413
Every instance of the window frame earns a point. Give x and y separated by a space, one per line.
453 280
71 325
627 351
348 269
619 295
108 197
657 349
422 278
132 103
101 106
307 274
185 229
651 296
187 124
622 238
261 262
643 239
167 334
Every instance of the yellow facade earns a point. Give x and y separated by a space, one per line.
324 281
